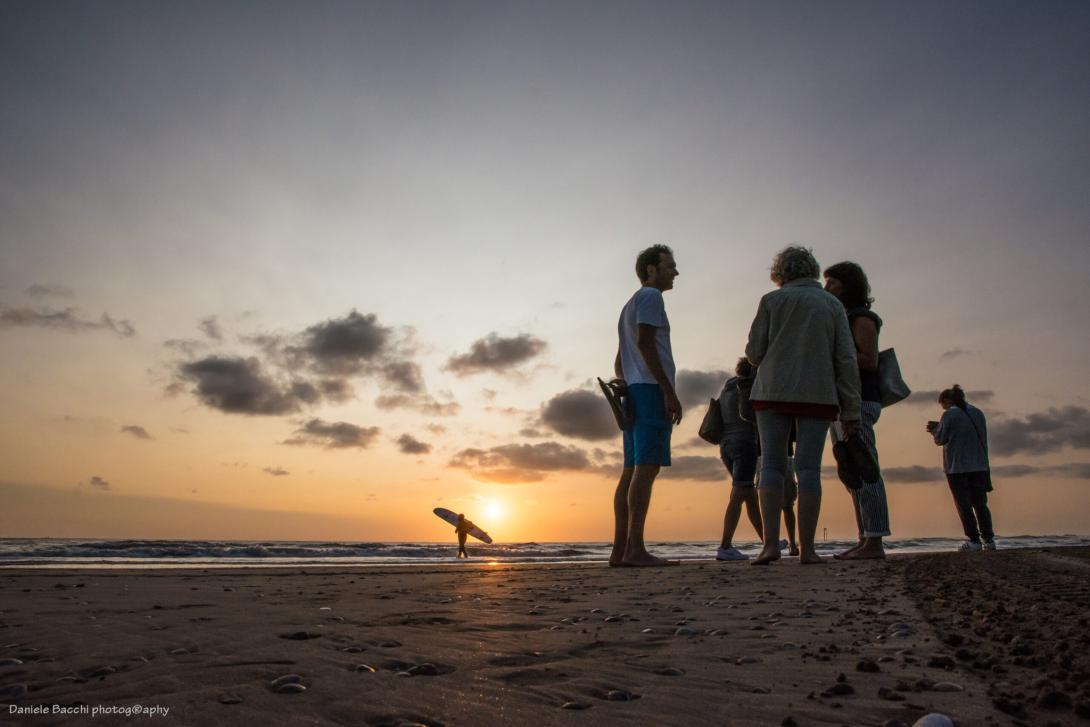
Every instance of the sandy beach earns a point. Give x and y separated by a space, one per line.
989 639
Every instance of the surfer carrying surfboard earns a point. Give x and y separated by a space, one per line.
645 363
462 528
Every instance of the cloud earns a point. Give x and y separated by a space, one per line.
239 386
333 435
913 473
318 364
518 463
954 353
436 429
344 346
408 444
931 396
276 471
701 469
37 291
495 354
210 327
423 403
580 414
696 387
917 473
137 431
64 320
188 347
404 376
98 482
1042 432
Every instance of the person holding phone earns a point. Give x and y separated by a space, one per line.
963 435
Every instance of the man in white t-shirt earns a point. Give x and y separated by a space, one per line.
645 363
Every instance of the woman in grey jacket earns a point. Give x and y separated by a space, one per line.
808 375
963 434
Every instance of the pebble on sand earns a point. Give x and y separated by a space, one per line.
947 687
574 705
288 684
933 720
230 699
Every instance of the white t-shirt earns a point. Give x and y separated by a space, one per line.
645 306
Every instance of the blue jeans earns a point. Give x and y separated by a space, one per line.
775 429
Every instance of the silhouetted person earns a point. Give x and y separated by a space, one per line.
645 363
963 434
807 376
462 529
739 451
849 284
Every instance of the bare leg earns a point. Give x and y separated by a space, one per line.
639 501
620 517
809 509
847 554
731 516
771 504
753 512
789 525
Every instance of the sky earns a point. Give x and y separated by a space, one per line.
306 271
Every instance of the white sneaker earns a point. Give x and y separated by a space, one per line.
730 554
970 547
989 545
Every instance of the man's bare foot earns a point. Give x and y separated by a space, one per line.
794 550
646 560
766 556
811 559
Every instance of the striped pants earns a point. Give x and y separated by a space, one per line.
871 508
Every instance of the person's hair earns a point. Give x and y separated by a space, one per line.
743 367
856 292
794 263
955 395
650 256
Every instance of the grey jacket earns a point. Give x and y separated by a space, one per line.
962 449
804 349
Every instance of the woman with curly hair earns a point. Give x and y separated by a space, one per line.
808 376
849 284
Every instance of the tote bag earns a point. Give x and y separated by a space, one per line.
891 386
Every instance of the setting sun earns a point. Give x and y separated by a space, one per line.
494 510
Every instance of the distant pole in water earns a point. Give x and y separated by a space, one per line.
825 533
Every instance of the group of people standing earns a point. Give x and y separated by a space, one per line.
810 370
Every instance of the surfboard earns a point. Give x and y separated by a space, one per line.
452 518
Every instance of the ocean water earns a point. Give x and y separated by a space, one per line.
75 553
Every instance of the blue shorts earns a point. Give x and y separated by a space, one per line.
647 441
739 455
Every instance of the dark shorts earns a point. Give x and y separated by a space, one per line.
740 458
647 441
